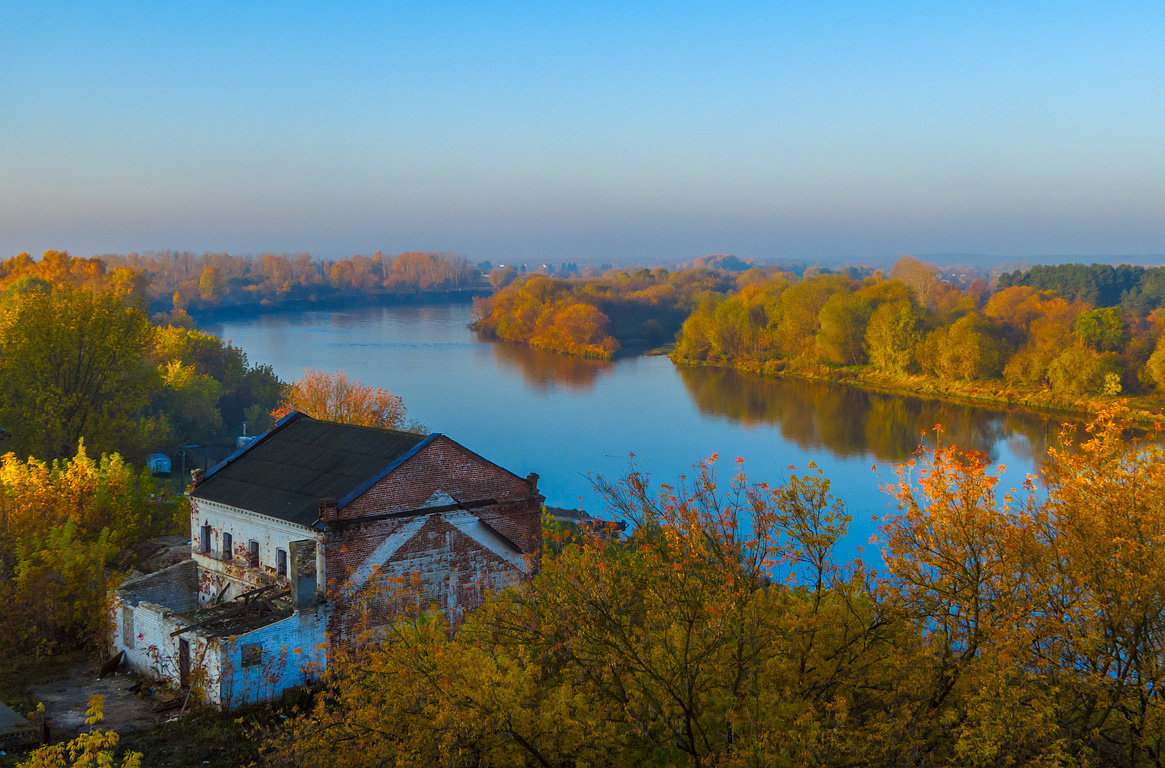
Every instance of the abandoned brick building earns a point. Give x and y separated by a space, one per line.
293 536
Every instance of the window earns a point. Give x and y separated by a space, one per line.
281 562
227 543
252 654
206 539
253 553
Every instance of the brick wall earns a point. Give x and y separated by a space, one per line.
453 568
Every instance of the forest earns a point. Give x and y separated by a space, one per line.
1019 628
1001 629
89 385
595 317
1064 336
184 282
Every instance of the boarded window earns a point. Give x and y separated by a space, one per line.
253 553
227 543
205 539
127 634
281 562
252 654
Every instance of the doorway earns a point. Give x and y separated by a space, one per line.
183 663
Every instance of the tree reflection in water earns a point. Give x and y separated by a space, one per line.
549 369
851 422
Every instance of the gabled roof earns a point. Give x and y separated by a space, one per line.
285 473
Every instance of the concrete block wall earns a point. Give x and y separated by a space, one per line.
142 630
174 587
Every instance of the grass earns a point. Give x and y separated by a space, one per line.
205 737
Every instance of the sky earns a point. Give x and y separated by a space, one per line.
631 132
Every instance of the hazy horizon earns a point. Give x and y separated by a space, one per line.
630 133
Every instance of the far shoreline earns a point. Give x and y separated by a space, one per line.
334 304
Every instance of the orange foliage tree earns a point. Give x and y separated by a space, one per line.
1041 615
1007 631
675 646
333 397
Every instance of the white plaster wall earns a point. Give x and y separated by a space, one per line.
154 653
244 526
294 651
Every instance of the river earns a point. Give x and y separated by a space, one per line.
568 419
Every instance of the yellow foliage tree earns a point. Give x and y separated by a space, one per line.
95 748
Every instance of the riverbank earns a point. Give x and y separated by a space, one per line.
335 303
1147 411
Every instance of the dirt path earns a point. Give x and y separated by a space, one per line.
66 700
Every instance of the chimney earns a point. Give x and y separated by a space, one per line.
302 555
328 510
532 479
196 477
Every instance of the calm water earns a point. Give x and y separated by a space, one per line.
567 418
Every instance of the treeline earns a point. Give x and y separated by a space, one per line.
722 631
79 358
914 324
182 281
1137 290
595 317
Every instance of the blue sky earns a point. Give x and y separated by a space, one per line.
632 132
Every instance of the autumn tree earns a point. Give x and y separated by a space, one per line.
920 278
685 644
1155 367
1041 612
970 348
893 335
841 331
210 284
72 364
60 526
332 396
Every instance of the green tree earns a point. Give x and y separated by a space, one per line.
189 401
1102 330
971 348
893 335
1081 370
841 329
72 364
1155 367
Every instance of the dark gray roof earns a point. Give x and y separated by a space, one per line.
301 460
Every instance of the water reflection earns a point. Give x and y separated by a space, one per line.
851 422
548 369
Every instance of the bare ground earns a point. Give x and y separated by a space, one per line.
66 700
